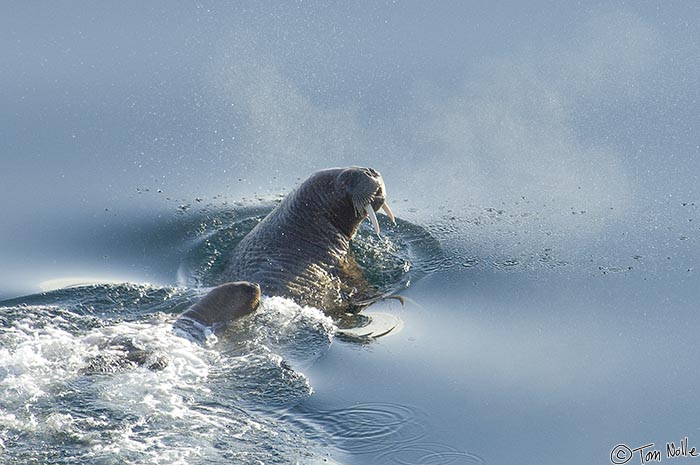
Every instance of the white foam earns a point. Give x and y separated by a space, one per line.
288 315
33 358
172 415
41 361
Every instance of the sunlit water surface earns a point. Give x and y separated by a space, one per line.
486 346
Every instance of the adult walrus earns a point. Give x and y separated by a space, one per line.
218 307
300 250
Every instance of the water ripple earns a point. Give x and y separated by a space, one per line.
381 432
364 428
428 454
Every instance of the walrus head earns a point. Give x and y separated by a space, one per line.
367 193
225 302
364 194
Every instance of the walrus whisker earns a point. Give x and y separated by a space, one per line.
372 218
360 202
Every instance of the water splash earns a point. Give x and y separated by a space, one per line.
208 402
403 254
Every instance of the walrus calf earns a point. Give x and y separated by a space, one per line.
218 307
300 250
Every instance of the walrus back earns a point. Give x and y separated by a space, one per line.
296 249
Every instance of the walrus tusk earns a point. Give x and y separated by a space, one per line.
389 213
372 217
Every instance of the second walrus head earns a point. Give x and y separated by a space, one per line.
225 303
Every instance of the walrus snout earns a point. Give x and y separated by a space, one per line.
255 296
365 186
244 295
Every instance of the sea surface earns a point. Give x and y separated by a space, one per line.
590 349
543 162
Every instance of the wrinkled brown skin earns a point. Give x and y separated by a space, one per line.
300 250
225 303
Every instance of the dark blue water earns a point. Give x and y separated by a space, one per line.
543 160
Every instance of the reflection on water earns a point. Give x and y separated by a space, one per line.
540 328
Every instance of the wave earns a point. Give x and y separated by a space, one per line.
69 393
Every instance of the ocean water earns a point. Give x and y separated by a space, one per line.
75 389
542 160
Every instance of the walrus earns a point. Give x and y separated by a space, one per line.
218 307
301 249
